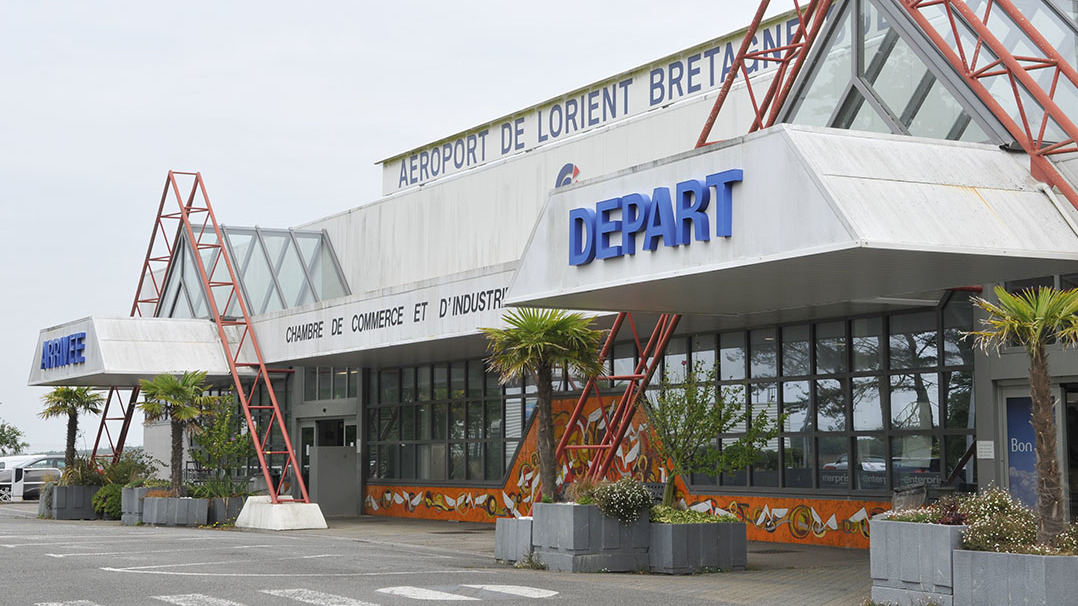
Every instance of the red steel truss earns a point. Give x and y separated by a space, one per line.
195 220
620 414
985 57
811 18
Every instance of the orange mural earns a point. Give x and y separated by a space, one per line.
837 522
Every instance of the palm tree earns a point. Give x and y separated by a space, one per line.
536 342
1032 319
180 400
70 402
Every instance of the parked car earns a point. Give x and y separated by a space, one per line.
867 464
33 470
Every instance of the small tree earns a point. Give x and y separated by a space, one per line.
11 439
536 342
1032 319
221 444
70 402
686 417
180 400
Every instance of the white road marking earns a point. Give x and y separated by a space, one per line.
419 593
194 599
317 598
75 603
125 553
517 590
144 570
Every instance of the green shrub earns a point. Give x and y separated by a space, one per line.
134 465
214 489
108 501
147 483
582 490
663 514
999 523
623 500
82 472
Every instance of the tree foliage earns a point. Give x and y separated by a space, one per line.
70 402
11 440
222 444
687 417
1032 319
180 400
535 343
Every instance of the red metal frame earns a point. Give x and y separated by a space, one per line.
1016 68
811 19
242 352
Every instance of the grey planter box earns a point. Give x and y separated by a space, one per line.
512 538
223 511
131 505
73 502
175 511
579 538
911 563
984 577
688 548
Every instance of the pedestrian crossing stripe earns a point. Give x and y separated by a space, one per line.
195 599
75 603
423 593
317 598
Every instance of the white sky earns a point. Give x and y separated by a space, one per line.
284 107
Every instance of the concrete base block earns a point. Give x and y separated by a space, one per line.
688 548
982 577
172 511
131 505
512 538
913 557
910 597
74 502
579 538
259 512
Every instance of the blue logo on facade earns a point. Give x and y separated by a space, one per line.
567 175
63 351
676 221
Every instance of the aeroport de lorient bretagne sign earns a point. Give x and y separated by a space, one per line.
677 218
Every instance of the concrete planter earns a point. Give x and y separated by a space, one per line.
688 548
984 577
911 563
512 538
223 511
175 511
131 505
74 502
579 538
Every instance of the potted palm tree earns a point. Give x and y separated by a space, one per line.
70 402
180 400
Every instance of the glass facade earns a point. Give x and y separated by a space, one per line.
447 422
870 403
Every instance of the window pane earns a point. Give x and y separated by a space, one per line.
958 393
624 361
423 421
703 350
766 467
456 380
422 461
831 347
423 382
830 405
798 457
764 350
956 449
440 414
736 478
456 462
372 425
867 404
676 359
353 382
795 403
915 460
494 385
388 380
834 462
456 421
476 379
475 420
913 340
871 466
914 401
836 68
868 344
732 356
441 382
406 471
340 383
492 456
408 384
475 461
389 420
310 383
325 383
957 319
494 419
407 422
795 350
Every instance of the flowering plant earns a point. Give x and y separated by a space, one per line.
623 500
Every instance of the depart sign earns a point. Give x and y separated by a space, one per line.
676 219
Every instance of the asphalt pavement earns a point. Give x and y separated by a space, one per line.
369 561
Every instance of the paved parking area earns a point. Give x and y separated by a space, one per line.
368 561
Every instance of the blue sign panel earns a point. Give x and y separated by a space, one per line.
677 218
63 351
1021 460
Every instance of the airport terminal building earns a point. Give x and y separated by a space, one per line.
824 265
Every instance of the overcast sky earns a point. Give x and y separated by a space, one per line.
283 107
